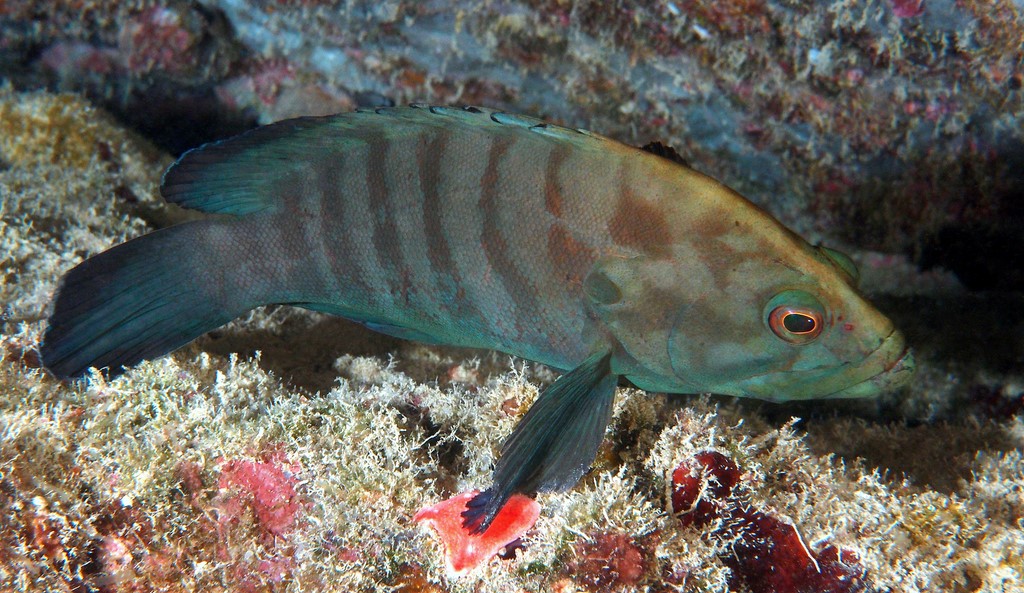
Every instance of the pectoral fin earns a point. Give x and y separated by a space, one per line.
555 442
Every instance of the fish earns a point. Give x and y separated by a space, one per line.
487 229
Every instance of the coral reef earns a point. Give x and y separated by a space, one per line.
291 451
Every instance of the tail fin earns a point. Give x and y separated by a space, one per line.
138 300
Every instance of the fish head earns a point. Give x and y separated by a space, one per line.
749 323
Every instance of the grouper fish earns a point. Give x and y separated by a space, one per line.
472 227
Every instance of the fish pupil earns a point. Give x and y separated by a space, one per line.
798 323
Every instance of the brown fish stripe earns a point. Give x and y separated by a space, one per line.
385 230
570 256
357 226
447 290
339 254
637 223
552 192
495 245
428 158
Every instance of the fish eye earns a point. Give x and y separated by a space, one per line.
796 317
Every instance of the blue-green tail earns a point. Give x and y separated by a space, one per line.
138 300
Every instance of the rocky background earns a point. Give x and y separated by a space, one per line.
890 129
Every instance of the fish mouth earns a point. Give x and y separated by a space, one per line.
886 368
884 371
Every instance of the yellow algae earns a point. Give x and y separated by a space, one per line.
54 129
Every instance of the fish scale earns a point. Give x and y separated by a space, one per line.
474 227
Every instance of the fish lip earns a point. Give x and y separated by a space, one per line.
905 357
895 373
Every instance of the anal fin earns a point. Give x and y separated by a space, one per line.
389 329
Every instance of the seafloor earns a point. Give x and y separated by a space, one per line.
289 451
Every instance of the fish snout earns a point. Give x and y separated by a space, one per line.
889 367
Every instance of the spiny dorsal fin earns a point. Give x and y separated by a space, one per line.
256 171
664 151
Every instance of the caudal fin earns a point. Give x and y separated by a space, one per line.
139 300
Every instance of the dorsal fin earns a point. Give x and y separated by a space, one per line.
257 170
239 175
664 151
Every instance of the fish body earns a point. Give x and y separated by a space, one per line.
478 228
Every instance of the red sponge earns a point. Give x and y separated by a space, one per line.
465 552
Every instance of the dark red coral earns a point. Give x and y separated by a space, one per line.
608 562
701 488
766 554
